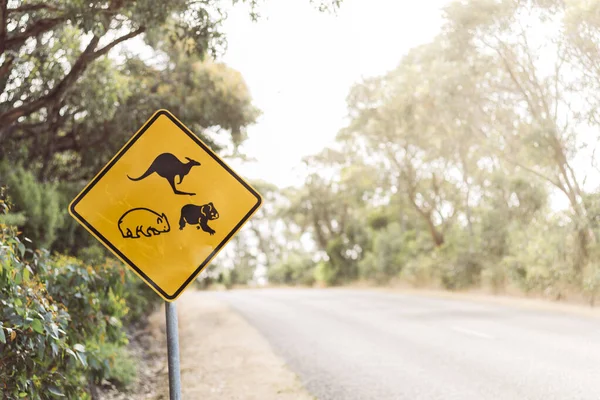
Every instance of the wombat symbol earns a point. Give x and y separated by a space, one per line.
142 221
198 215
168 166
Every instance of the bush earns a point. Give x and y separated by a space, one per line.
296 268
37 357
493 275
38 203
541 258
419 271
391 249
61 322
591 283
325 273
123 365
94 298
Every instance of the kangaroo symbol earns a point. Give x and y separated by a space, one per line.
168 166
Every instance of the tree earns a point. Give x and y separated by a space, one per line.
536 122
390 122
333 206
57 82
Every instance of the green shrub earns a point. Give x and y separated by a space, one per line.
391 249
37 357
493 275
296 268
94 254
94 298
61 322
419 271
123 365
325 273
541 258
39 203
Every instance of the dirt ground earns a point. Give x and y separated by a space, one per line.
222 357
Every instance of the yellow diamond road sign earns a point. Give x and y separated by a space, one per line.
165 204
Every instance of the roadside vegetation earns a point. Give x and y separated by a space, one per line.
77 79
62 322
472 164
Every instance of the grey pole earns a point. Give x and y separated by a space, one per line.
173 351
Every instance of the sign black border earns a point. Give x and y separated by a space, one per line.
116 158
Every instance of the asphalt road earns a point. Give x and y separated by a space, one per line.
348 345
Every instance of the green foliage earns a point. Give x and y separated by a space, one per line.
37 204
539 258
13 219
591 283
122 365
451 165
232 277
68 104
296 268
62 321
391 248
93 255
94 297
325 273
37 355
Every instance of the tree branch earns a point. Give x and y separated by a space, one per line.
38 27
33 7
558 184
85 58
3 18
5 68
13 115
115 42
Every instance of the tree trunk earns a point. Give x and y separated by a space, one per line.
436 235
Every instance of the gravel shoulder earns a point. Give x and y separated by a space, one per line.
222 356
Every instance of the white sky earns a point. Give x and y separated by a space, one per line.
300 64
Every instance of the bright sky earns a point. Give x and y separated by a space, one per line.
300 64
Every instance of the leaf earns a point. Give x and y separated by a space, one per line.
82 358
22 394
2 337
36 325
54 348
72 353
55 391
79 347
54 329
21 248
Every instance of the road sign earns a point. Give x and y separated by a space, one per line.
165 204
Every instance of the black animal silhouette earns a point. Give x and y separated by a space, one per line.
144 221
198 215
168 166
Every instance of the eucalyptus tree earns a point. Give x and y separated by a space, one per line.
538 118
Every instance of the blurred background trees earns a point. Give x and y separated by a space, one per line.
472 163
77 79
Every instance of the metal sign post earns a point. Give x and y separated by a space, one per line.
173 351
134 206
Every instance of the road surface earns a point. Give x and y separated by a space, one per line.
346 344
